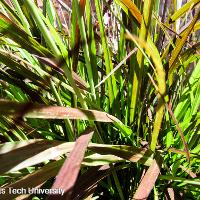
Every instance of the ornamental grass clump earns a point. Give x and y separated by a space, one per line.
99 99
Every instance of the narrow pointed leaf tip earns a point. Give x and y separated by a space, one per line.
68 174
148 181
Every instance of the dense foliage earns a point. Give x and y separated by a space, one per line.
105 94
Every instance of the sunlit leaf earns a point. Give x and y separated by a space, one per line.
189 5
148 181
53 112
68 174
132 8
19 155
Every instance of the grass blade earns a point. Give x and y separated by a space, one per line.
138 71
112 87
126 152
19 155
148 181
68 174
179 45
133 9
33 180
53 112
189 5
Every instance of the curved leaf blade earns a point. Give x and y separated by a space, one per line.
29 110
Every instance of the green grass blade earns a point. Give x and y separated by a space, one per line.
138 71
189 5
85 48
112 87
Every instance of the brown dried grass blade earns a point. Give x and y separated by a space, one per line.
15 156
68 174
147 182
29 110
